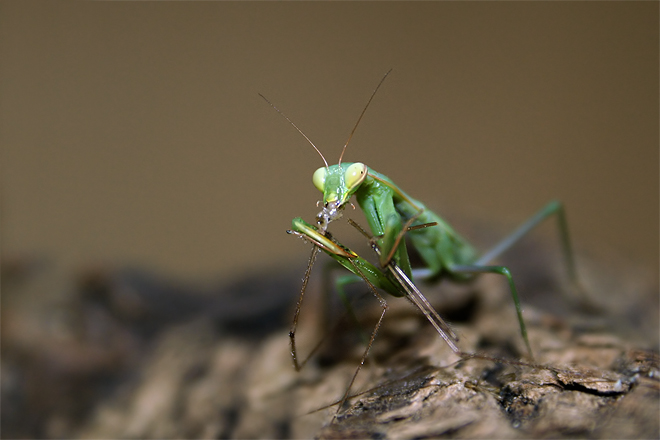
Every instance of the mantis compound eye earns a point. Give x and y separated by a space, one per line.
319 178
355 175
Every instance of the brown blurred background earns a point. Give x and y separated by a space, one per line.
132 133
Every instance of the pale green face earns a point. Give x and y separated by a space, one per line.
337 183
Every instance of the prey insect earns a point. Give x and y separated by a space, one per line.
391 215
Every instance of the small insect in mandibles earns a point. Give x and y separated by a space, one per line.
392 215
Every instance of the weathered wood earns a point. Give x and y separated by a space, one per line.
218 374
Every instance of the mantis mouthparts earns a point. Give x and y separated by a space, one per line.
331 211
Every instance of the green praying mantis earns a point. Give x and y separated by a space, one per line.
392 216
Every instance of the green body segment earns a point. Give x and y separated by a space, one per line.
387 208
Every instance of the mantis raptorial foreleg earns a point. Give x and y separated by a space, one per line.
360 267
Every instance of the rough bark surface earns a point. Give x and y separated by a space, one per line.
140 358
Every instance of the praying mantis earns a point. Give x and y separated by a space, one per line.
392 215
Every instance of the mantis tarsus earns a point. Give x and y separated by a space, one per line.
391 214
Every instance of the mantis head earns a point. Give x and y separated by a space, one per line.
337 183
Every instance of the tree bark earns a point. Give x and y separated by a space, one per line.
225 371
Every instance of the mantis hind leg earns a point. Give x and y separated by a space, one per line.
553 208
500 270
481 264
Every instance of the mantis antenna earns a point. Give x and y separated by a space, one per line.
299 130
360 118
